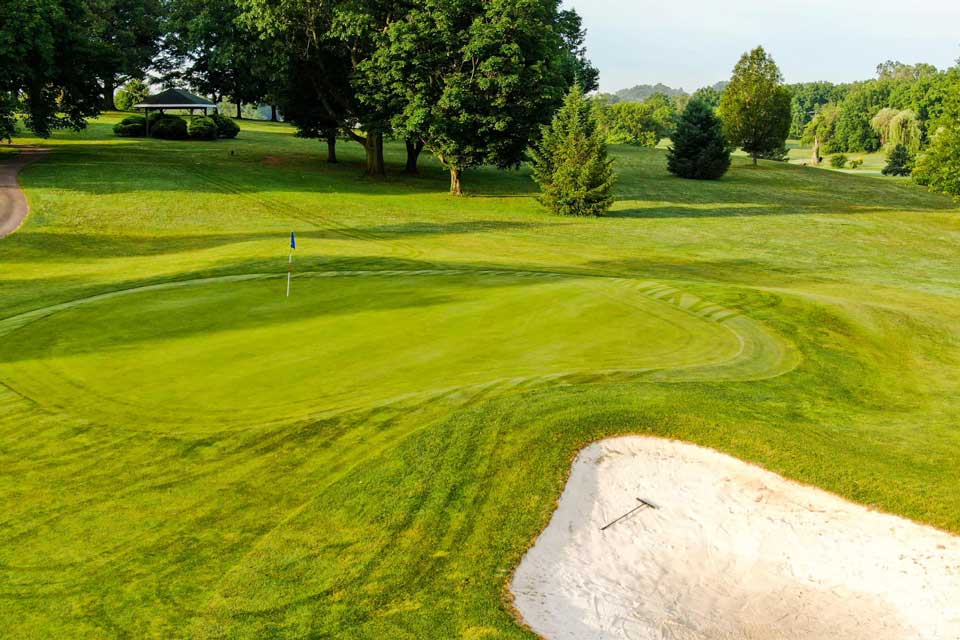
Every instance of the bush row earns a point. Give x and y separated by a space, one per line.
170 127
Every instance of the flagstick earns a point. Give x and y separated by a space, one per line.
289 272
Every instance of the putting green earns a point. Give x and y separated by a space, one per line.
237 353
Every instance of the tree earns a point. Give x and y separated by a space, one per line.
820 131
129 32
700 150
755 107
904 129
939 166
133 92
475 79
881 124
50 65
708 95
326 81
632 123
215 53
570 162
899 162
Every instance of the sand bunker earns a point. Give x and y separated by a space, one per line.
733 552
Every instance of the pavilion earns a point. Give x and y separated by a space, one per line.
173 99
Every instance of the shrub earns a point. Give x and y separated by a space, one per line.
856 164
131 127
202 128
169 128
838 161
134 92
570 163
700 150
899 162
226 128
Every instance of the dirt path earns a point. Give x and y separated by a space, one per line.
13 203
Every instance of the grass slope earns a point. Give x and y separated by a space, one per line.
186 453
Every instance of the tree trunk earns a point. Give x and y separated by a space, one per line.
239 112
109 87
754 159
332 146
414 147
456 182
373 144
816 152
273 113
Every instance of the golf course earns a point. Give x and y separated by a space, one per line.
188 452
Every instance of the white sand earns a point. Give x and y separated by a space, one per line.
734 552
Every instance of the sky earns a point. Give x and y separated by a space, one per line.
693 43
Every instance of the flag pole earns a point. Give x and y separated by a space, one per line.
293 247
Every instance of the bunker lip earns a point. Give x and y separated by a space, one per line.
14 207
732 551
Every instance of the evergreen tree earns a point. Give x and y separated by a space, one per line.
700 149
570 163
899 162
756 107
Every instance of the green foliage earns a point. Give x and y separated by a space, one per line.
838 161
169 127
939 166
899 162
131 127
710 96
226 127
700 149
822 128
808 99
633 123
904 129
474 80
642 92
50 65
570 162
856 164
755 107
202 128
134 92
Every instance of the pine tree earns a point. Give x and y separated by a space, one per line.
700 150
899 162
570 163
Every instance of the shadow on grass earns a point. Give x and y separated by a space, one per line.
65 246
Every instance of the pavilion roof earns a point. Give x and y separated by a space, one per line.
174 99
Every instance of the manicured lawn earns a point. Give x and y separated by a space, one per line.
185 452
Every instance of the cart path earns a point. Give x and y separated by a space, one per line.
13 203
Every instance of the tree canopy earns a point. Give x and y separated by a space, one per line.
755 107
700 149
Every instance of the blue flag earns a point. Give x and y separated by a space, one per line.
293 240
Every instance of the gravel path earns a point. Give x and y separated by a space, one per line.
13 203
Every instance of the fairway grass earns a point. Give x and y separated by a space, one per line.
186 452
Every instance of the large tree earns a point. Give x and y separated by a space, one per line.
326 46
755 107
129 32
473 80
939 166
50 65
215 53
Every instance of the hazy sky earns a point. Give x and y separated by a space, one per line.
691 43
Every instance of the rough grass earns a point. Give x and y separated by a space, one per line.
186 453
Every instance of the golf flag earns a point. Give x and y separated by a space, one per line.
293 246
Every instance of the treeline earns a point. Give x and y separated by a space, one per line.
471 81
902 105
